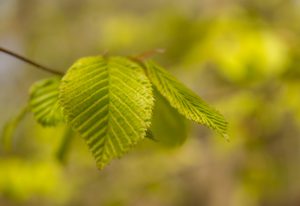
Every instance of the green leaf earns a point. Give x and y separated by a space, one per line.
109 102
169 128
185 100
44 102
10 127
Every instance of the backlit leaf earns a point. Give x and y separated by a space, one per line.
109 102
185 100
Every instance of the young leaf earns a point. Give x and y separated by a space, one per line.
10 127
109 102
44 102
184 99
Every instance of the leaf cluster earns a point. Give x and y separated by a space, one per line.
109 102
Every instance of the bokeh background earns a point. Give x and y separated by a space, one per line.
241 56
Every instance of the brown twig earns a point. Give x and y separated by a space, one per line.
31 62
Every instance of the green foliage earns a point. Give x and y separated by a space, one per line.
44 102
185 100
109 102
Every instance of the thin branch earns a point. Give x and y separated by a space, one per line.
38 66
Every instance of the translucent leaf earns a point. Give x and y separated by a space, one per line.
109 102
44 102
169 128
185 100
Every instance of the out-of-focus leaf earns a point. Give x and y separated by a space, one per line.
44 102
168 126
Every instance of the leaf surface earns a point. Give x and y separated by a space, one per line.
109 102
185 100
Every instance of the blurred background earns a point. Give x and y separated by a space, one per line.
241 56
